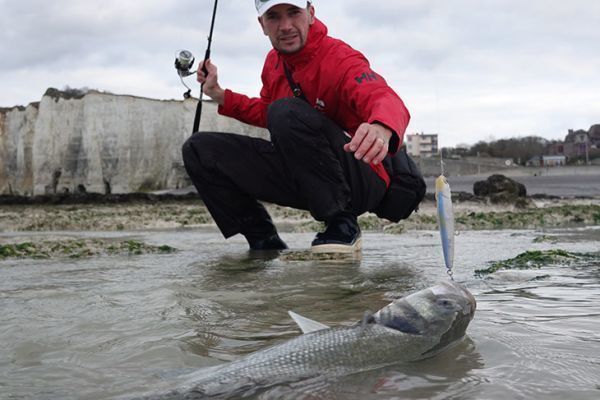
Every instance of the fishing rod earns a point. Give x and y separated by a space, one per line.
184 62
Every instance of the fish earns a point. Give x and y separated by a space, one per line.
445 214
411 328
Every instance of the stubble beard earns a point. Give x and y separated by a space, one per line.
287 50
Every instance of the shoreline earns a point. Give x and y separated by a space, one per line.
140 211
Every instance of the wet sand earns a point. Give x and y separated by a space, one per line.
469 212
569 185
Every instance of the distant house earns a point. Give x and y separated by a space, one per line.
578 136
547 161
422 145
594 136
578 144
553 161
556 149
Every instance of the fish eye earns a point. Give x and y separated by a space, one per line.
446 303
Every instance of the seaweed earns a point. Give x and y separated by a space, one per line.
533 259
80 248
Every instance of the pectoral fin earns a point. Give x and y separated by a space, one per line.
306 325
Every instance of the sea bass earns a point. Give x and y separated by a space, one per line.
445 214
411 328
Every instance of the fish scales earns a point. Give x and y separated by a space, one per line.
333 352
411 328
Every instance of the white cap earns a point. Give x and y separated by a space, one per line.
263 5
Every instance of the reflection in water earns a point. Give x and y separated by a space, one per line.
241 301
120 326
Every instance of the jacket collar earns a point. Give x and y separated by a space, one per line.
316 33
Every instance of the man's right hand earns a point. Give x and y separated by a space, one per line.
210 82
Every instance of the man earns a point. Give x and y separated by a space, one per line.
327 143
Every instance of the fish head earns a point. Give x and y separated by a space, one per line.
444 309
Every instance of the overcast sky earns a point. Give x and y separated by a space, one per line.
469 70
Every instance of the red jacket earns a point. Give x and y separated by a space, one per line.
336 79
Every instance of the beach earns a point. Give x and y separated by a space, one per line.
109 297
553 201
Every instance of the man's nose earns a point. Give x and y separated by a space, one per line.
285 23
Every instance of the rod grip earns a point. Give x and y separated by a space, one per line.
206 57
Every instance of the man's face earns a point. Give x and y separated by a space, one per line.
287 26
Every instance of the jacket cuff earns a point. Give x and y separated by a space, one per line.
225 109
394 143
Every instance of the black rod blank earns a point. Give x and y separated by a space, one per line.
206 57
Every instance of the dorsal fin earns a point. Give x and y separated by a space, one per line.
306 325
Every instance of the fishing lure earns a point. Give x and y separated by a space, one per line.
443 198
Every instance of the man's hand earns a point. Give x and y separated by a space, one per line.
370 143
210 82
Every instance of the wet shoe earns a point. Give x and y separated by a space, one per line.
260 232
272 242
341 236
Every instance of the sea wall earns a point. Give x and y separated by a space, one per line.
102 143
430 166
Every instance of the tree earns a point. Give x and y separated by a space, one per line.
518 149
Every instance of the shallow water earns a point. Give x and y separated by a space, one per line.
125 325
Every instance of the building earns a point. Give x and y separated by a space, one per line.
547 161
554 161
594 136
578 145
422 145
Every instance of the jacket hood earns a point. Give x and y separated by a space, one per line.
316 33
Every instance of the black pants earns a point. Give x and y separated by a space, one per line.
304 166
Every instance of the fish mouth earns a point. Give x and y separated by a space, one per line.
471 304
465 312
467 307
453 335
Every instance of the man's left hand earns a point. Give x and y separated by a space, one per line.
370 143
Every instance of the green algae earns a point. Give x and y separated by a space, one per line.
545 239
169 215
25 249
574 215
533 259
307 255
79 248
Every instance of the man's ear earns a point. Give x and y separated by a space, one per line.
311 12
262 25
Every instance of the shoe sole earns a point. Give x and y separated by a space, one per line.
338 248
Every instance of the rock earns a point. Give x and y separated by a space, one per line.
500 189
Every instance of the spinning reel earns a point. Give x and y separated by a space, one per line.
183 63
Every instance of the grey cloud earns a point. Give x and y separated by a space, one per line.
489 65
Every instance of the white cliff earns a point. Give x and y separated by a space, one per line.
101 143
17 128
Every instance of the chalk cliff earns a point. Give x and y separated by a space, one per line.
99 142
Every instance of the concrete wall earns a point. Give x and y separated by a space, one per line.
430 166
101 143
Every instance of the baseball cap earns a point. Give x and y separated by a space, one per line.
263 5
